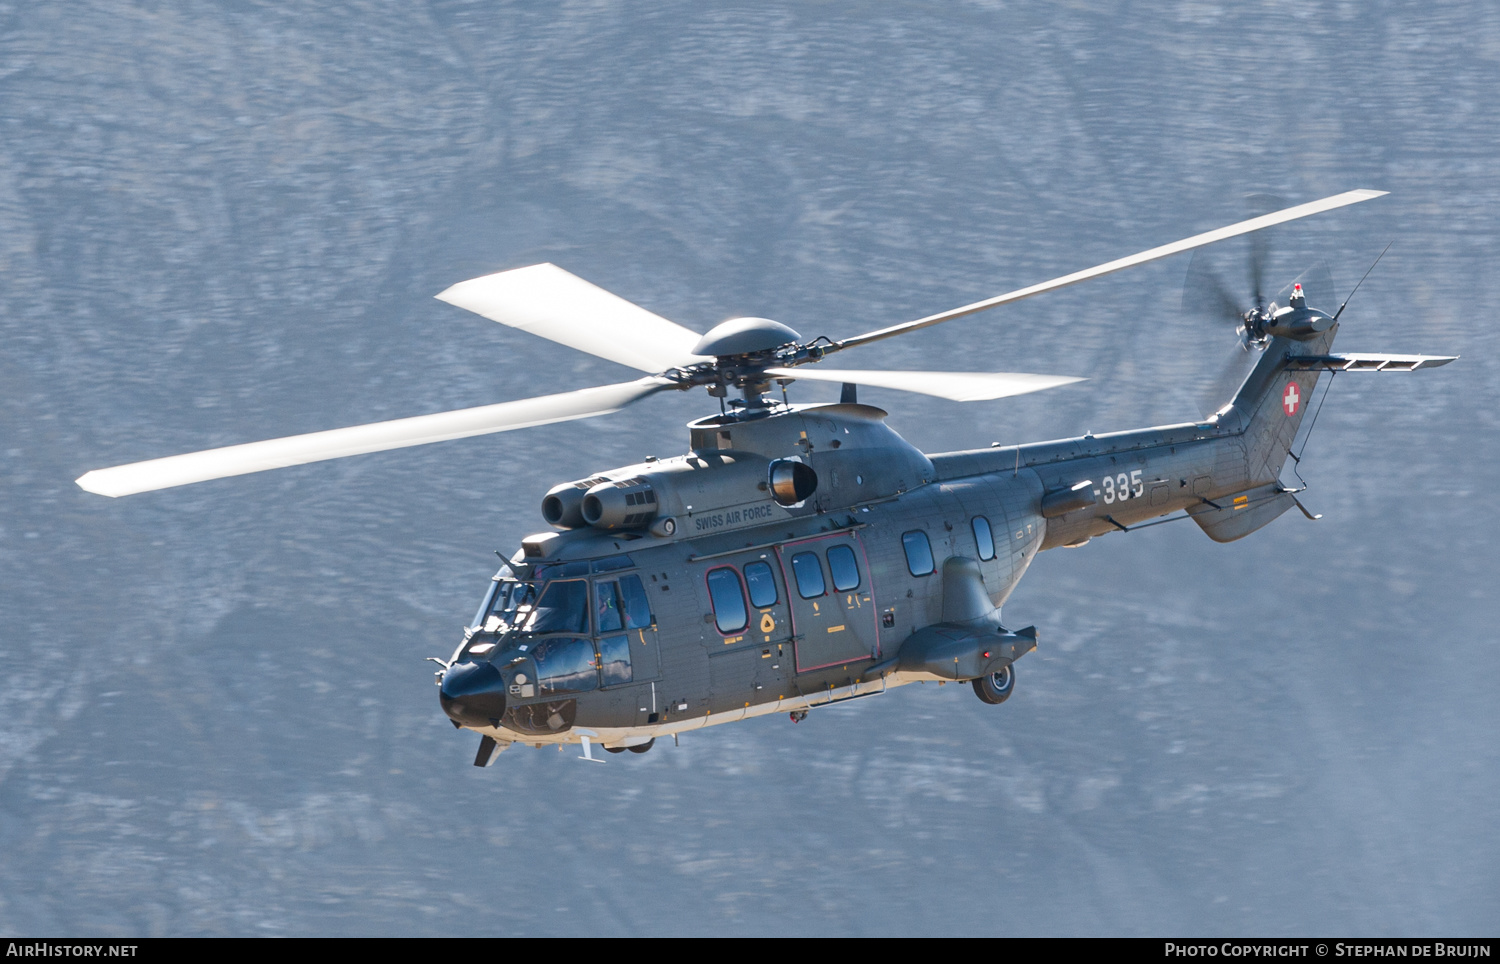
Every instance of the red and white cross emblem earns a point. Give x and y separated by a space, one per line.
1291 399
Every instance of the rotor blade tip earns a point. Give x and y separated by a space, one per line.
89 482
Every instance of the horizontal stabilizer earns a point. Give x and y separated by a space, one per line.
1236 516
1365 362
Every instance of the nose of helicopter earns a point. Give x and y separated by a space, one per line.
473 694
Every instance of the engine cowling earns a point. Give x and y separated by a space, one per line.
562 506
626 504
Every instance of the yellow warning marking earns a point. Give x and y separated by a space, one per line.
1241 501
767 624
835 629
815 607
733 639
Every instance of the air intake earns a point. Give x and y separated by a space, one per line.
791 482
562 506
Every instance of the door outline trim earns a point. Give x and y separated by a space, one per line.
791 609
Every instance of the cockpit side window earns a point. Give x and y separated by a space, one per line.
565 665
608 615
563 608
614 660
637 603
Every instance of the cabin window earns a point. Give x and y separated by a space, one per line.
984 539
843 568
614 660
809 573
563 608
728 600
637 605
918 552
565 665
762 585
608 616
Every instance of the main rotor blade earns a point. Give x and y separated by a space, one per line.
337 443
1260 249
955 386
545 300
1164 251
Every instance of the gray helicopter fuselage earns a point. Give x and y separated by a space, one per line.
743 606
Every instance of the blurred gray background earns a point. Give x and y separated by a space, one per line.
226 221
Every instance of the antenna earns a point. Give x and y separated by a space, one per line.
1361 281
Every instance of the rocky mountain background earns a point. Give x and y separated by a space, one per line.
226 221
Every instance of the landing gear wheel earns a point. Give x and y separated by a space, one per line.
996 688
642 747
614 749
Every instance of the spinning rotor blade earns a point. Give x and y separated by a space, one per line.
955 386
1204 293
1227 382
1260 253
545 300
1317 285
1166 250
337 443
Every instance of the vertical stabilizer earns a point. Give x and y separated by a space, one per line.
1273 401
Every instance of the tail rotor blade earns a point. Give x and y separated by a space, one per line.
1317 285
338 443
1231 375
1205 294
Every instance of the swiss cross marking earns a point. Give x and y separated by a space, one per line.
1290 399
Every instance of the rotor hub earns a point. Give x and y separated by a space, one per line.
739 337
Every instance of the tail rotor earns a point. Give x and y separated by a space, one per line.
1206 295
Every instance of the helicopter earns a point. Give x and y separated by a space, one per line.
802 555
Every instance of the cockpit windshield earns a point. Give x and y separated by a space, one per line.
508 601
547 598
